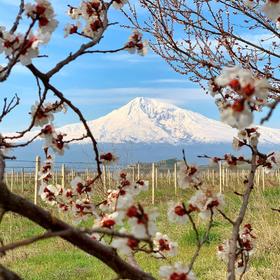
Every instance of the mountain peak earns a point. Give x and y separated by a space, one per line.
143 102
148 106
139 100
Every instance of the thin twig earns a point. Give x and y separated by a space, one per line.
31 240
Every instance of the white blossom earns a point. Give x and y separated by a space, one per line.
42 11
237 119
41 115
177 271
206 201
136 44
164 246
118 4
177 213
124 245
188 176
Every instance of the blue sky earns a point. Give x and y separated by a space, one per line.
100 83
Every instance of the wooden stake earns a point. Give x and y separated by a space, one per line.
175 178
133 174
226 181
169 177
22 180
220 176
258 177
36 183
104 171
63 176
263 180
156 177
153 183
109 178
55 177
12 179
17 177
138 171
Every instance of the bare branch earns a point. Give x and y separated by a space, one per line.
9 106
18 18
31 240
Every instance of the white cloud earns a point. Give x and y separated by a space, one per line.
121 95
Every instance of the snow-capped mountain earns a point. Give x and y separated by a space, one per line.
147 130
145 120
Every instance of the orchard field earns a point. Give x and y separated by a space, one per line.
56 259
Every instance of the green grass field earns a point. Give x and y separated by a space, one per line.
56 259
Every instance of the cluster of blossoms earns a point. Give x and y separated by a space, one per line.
125 246
250 137
177 213
269 162
108 158
247 136
136 44
244 249
93 13
118 4
244 93
48 191
163 246
17 46
25 47
188 176
229 160
204 202
232 161
121 203
176 272
43 12
43 115
75 198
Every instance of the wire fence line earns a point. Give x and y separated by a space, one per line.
157 174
